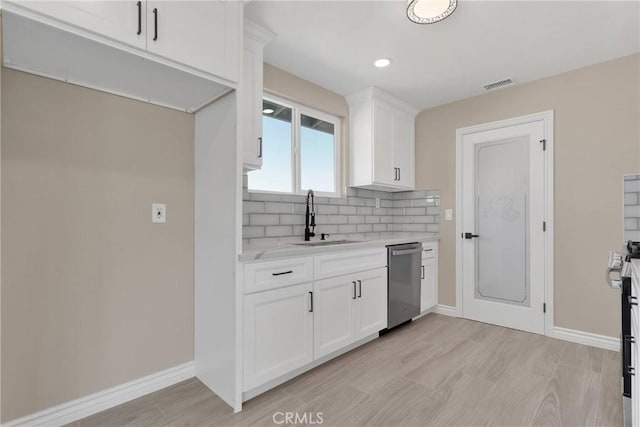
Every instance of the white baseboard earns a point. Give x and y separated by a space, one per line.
96 402
586 338
446 310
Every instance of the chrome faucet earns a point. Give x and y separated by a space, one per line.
310 218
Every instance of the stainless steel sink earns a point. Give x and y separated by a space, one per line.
327 242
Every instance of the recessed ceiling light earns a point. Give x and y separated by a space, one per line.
267 111
382 62
430 11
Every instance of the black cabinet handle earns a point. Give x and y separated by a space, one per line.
259 147
359 288
399 174
354 290
311 299
428 250
470 235
139 18
155 23
281 273
632 300
422 271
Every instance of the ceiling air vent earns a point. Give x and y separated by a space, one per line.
497 85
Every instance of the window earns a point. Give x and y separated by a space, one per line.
300 150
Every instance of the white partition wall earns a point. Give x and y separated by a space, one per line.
217 245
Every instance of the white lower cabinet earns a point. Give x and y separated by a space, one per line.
295 315
278 333
334 307
429 278
347 309
371 310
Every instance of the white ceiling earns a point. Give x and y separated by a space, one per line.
334 43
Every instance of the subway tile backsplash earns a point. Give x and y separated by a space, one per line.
273 218
632 207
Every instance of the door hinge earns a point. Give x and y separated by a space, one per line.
544 144
544 307
544 225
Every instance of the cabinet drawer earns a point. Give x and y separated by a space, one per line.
261 276
339 263
429 249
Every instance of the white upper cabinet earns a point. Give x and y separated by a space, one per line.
382 138
200 34
178 54
255 38
123 21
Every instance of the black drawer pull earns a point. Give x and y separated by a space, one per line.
428 250
354 290
632 300
631 370
260 147
422 266
282 273
311 297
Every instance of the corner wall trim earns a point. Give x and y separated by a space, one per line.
446 310
97 402
586 338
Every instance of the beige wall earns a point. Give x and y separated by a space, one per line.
597 141
93 293
288 86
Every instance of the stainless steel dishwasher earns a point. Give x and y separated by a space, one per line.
404 262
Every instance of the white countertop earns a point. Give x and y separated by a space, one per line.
290 249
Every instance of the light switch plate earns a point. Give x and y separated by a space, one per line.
158 213
448 214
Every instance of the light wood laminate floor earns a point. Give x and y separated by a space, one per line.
438 370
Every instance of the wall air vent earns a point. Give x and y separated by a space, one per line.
497 85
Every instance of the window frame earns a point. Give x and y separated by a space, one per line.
297 110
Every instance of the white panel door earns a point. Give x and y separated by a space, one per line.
334 302
404 149
502 215
123 21
429 284
278 333
371 307
201 34
383 167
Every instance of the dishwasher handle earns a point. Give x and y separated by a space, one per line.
406 251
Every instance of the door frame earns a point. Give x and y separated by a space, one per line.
547 118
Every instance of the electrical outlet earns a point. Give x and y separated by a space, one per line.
158 213
448 214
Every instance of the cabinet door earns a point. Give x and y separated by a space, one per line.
383 162
429 288
278 333
404 149
123 21
333 303
371 310
201 34
252 103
